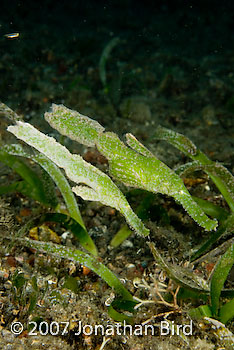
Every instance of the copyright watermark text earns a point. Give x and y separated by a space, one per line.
62 328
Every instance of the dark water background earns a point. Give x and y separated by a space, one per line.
56 57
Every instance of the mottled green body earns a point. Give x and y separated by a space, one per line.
134 165
143 170
93 184
137 170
